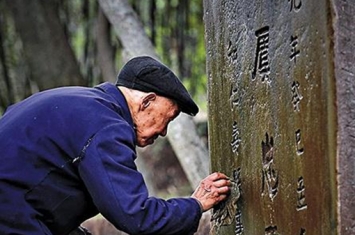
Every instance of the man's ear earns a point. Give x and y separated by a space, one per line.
147 99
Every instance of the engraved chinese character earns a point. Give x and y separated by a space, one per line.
271 230
296 96
294 51
295 5
270 176
238 215
235 138
236 177
234 96
299 150
232 51
236 38
301 197
261 64
238 223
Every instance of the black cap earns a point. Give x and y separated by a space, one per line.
146 74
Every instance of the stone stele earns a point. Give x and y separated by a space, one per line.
282 114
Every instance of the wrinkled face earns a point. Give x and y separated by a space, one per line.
152 120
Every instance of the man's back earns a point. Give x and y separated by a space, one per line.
40 139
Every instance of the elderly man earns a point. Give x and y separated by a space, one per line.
68 154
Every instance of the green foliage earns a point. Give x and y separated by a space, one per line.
180 42
175 27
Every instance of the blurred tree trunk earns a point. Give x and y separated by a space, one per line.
105 50
182 134
129 28
51 60
7 97
190 149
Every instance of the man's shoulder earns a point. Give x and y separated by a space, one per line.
75 100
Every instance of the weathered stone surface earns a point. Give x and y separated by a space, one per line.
344 67
281 113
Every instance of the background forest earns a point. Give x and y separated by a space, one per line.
51 43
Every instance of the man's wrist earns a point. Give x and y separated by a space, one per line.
200 204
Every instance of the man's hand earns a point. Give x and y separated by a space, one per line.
213 189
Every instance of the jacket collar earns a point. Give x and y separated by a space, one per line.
119 98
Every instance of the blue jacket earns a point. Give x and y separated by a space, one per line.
67 154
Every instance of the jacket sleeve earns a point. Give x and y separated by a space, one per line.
119 192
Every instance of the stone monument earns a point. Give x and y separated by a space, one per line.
282 114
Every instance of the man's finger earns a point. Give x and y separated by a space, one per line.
221 183
223 190
216 176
